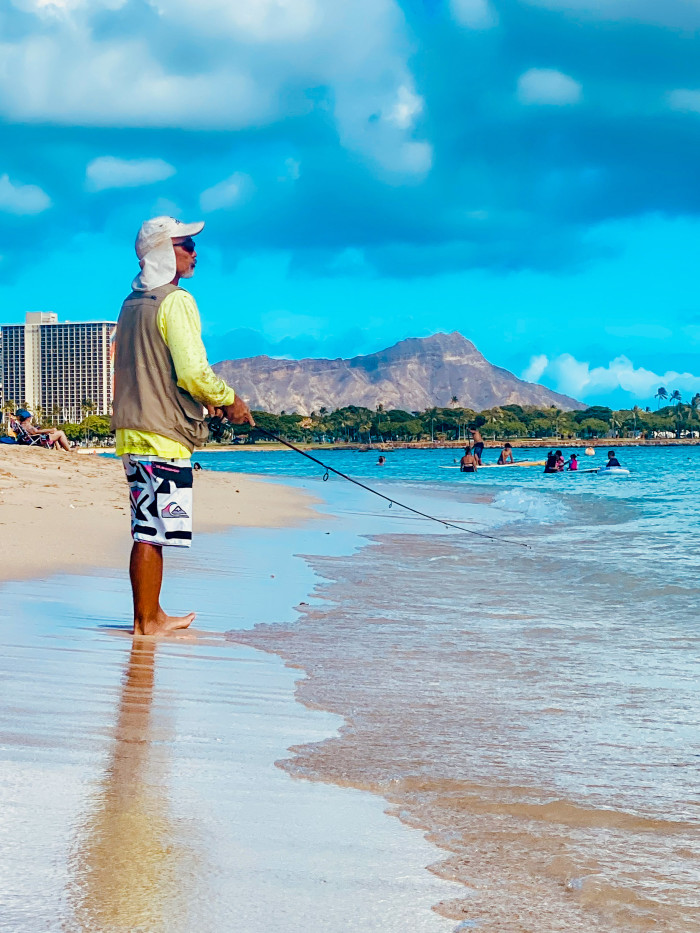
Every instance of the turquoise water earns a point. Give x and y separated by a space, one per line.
536 710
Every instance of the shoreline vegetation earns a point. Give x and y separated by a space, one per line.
524 426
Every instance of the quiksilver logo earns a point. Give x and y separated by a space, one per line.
173 510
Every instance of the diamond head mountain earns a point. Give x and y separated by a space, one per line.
414 374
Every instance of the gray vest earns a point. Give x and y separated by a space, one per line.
146 394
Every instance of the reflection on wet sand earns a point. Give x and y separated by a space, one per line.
124 864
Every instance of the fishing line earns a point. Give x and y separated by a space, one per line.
329 469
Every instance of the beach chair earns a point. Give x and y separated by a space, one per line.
30 440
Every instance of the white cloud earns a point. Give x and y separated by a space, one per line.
547 86
570 376
110 172
474 14
406 108
22 199
252 20
683 99
227 193
254 62
535 368
79 81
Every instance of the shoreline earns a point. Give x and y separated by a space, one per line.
64 513
522 442
108 729
140 776
388 446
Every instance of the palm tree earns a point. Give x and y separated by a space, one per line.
87 407
454 401
433 415
694 411
676 397
56 414
661 393
636 411
8 408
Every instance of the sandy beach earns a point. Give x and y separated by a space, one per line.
139 779
67 511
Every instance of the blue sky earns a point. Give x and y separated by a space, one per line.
523 172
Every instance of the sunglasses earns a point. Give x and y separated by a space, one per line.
187 245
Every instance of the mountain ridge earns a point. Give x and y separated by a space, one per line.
414 374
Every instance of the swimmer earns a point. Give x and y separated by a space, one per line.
381 461
551 464
468 463
612 460
506 455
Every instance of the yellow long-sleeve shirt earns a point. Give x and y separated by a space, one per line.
181 329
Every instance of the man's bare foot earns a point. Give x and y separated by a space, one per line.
163 624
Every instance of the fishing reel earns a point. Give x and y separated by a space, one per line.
217 427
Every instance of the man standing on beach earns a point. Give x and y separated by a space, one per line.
162 382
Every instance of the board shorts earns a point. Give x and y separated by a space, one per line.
478 449
160 494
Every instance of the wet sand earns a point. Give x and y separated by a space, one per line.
138 782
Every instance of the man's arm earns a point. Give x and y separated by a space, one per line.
181 328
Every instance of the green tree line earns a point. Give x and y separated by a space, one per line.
356 425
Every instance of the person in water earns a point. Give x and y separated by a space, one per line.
560 460
551 465
506 455
468 463
478 445
612 460
573 462
381 461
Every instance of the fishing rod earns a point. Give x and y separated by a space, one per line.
329 469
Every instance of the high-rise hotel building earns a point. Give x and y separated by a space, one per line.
57 366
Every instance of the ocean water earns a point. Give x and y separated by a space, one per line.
535 710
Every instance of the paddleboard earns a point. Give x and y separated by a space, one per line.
500 466
613 471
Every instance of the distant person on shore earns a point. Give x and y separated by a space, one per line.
573 463
162 382
478 445
54 435
381 461
506 455
468 463
612 460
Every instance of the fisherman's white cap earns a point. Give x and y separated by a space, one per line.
154 248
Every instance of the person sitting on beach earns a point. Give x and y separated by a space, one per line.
573 463
506 455
478 445
53 434
468 463
162 384
612 460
